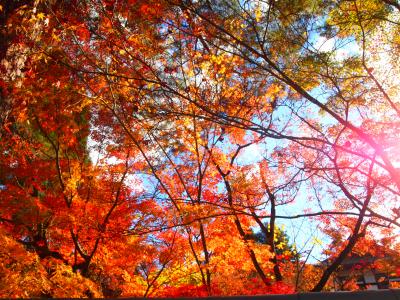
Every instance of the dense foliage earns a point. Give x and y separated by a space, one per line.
152 148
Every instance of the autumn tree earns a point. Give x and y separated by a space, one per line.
143 141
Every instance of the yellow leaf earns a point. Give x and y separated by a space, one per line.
55 37
258 14
316 241
40 16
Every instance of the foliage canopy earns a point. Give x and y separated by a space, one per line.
142 142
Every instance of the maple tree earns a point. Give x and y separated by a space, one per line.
142 143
